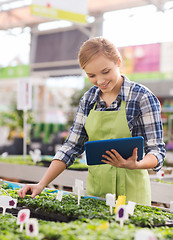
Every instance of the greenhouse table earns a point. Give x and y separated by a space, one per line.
160 192
34 174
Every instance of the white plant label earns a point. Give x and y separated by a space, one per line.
23 217
79 187
79 184
32 227
144 234
7 202
131 207
171 206
160 174
122 214
24 94
110 201
59 195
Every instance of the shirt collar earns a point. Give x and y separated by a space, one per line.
125 89
96 96
123 94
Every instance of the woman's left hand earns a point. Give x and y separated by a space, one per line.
115 159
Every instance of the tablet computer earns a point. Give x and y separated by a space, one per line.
124 146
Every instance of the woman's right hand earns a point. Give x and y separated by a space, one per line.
32 189
56 167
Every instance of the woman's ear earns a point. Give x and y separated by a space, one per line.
119 62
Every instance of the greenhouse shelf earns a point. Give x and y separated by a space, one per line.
160 192
23 173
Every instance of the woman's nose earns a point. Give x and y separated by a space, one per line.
100 81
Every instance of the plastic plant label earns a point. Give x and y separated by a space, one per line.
82 192
79 184
35 155
131 207
110 201
171 206
59 195
160 174
4 155
24 94
23 217
120 201
79 187
7 202
1 182
144 234
122 214
32 227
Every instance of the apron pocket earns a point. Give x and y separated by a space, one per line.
101 180
138 186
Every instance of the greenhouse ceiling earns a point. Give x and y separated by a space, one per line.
16 13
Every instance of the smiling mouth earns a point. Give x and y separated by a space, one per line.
105 85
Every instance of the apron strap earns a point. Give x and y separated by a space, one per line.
95 104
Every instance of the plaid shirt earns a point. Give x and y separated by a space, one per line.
143 117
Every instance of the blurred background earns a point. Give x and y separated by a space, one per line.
40 79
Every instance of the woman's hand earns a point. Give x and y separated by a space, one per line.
32 189
115 159
56 167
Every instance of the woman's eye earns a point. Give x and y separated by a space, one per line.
91 76
106 72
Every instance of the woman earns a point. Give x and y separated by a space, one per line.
113 108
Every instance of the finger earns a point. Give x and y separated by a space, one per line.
111 154
108 162
135 153
33 194
19 192
24 190
107 157
117 155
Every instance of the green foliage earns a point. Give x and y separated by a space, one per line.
78 94
74 103
17 159
76 230
94 220
78 165
144 216
14 119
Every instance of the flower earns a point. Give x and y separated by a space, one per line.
31 228
22 217
121 213
11 203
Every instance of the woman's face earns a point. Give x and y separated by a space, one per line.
103 73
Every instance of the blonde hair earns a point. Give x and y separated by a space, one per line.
97 46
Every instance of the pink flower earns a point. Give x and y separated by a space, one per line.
22 217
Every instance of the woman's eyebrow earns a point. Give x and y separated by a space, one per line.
102 70
90 73
106 68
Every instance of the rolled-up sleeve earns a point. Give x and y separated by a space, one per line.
74 144
151 125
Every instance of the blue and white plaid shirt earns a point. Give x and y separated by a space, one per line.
143 117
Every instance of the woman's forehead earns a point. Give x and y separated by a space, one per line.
99 62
